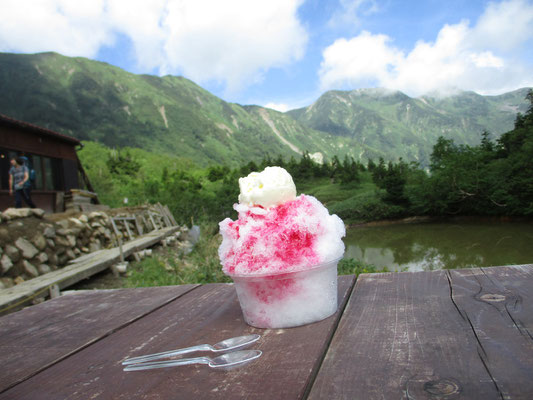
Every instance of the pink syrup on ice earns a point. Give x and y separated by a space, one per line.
293 244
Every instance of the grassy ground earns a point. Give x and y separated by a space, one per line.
169 268
330 193
353 202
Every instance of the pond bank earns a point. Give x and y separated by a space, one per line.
452 219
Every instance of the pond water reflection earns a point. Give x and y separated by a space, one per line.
432 245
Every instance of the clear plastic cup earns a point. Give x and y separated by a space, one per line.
288 299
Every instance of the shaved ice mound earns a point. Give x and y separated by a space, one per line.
285 238
283 260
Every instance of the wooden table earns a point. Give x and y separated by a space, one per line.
427 335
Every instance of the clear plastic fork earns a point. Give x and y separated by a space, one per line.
223 346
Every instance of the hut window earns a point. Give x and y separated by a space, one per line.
36 164
53 175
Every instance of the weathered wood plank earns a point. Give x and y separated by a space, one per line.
498 304
38 336
18 296
401 336
206 315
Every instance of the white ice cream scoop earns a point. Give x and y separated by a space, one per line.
271 187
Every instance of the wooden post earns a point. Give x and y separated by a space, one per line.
171 216
138 226
127 225
168 222
152 219
119 240
164 210
54 291
145 223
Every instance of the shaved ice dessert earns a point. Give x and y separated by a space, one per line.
281 252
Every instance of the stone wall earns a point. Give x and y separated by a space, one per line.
32 243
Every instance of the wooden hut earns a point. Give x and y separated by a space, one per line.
53 157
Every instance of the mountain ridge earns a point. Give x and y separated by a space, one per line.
390 121
93 100
97 101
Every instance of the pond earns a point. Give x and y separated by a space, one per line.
439 245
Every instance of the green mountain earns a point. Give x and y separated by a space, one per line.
391 124
96 101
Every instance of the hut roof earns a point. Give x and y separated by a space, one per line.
8 121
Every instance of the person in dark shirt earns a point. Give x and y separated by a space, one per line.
18 176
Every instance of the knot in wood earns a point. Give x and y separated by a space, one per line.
442 387
492 297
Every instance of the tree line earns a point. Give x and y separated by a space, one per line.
492 178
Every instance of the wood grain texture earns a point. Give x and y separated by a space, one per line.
498 305
208 314
402 337
38 336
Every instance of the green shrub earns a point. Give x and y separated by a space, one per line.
366 207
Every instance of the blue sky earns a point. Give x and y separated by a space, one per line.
286 53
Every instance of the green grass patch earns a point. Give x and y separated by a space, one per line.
353 202
171 268
351 266
365 207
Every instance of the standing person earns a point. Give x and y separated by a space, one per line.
28 185
18 176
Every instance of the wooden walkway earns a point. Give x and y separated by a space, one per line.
81 268
459 334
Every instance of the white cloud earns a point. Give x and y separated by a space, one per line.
281 107
487 60
363 58
475 57
505 25
46 25
233 42
351 11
